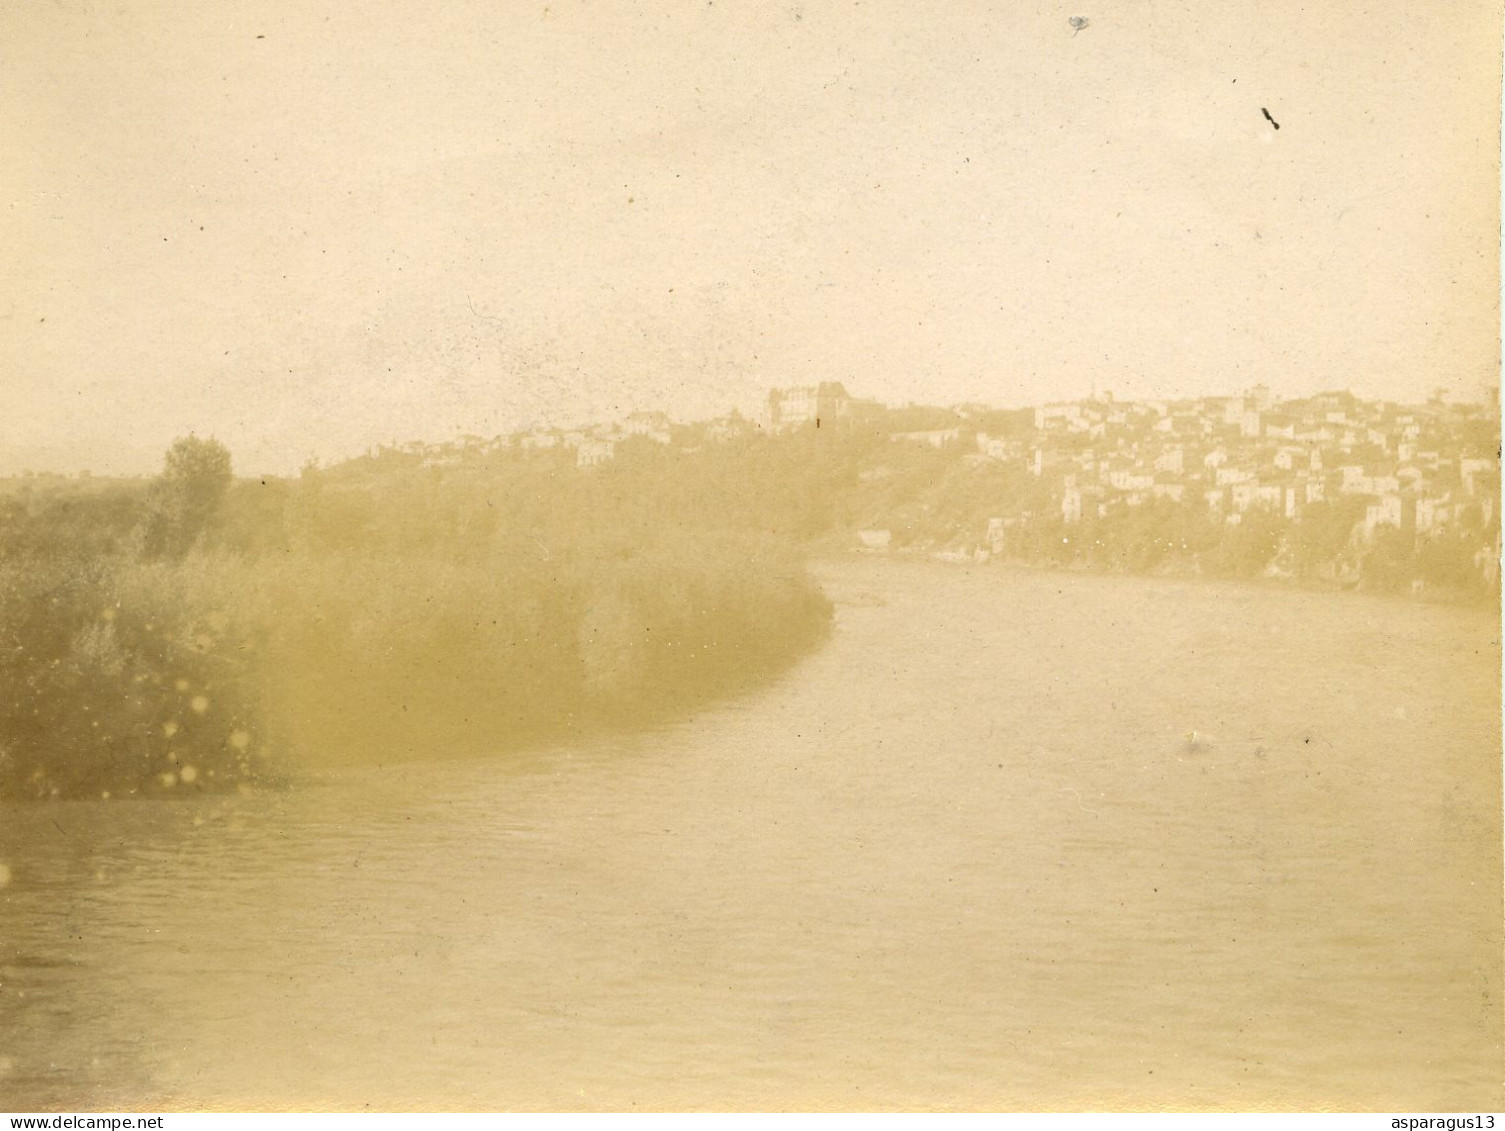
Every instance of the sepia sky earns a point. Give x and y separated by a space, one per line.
307 226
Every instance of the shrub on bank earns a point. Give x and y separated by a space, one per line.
126 676
365 658
118 679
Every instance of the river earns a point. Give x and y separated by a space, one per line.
1007 840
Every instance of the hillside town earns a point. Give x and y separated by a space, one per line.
1412 471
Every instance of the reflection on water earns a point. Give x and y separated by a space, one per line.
1008 840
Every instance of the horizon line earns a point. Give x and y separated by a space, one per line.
1104 396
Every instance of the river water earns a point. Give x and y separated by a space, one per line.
1007 840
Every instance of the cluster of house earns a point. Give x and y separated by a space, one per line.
598 444
592 446
786 410
1418 467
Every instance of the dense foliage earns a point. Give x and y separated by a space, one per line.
191 633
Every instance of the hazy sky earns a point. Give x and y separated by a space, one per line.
307 226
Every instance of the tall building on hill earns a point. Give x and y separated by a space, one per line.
817 405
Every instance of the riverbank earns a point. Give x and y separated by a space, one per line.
841 548
304 628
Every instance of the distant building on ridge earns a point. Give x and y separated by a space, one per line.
816 405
